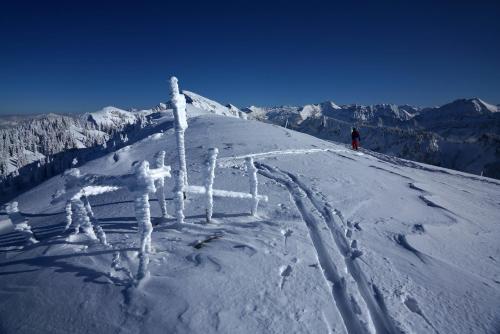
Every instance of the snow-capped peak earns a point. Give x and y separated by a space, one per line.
473 106
111 116
330 105
490 107
203 103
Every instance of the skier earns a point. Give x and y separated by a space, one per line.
355 139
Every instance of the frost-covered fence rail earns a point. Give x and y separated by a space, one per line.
181 185
79 214
141 183
78 187
208 190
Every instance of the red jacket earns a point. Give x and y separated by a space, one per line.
355 135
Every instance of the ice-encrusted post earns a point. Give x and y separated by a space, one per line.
209 182
98 229
144 185
179 102
160 184
141 205
88 207
254 184
69 213
20 223
179 196
82 219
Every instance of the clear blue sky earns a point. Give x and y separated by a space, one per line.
76 56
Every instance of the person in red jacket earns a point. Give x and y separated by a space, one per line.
355 139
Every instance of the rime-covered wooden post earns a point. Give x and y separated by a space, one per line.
88 207
69 213
160 184
179 102
99 232
82 219
254 184
144 184
209 182
179 196
20 223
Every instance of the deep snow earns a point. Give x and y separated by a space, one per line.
349 242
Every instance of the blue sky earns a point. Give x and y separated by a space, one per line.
77 56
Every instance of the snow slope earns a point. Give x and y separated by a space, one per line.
428 237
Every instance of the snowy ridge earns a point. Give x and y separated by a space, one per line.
462 135
348 242
203 103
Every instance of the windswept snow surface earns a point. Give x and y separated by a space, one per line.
349 242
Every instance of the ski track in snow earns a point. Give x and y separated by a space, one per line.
378 312
349 311
238 160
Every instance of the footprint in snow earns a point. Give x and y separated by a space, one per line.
418 228
412 305
286 234
247 249
285 271
202 260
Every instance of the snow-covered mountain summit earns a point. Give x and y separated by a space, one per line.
110 117
349 242
203 103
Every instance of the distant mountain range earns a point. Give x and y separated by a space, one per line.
462 135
